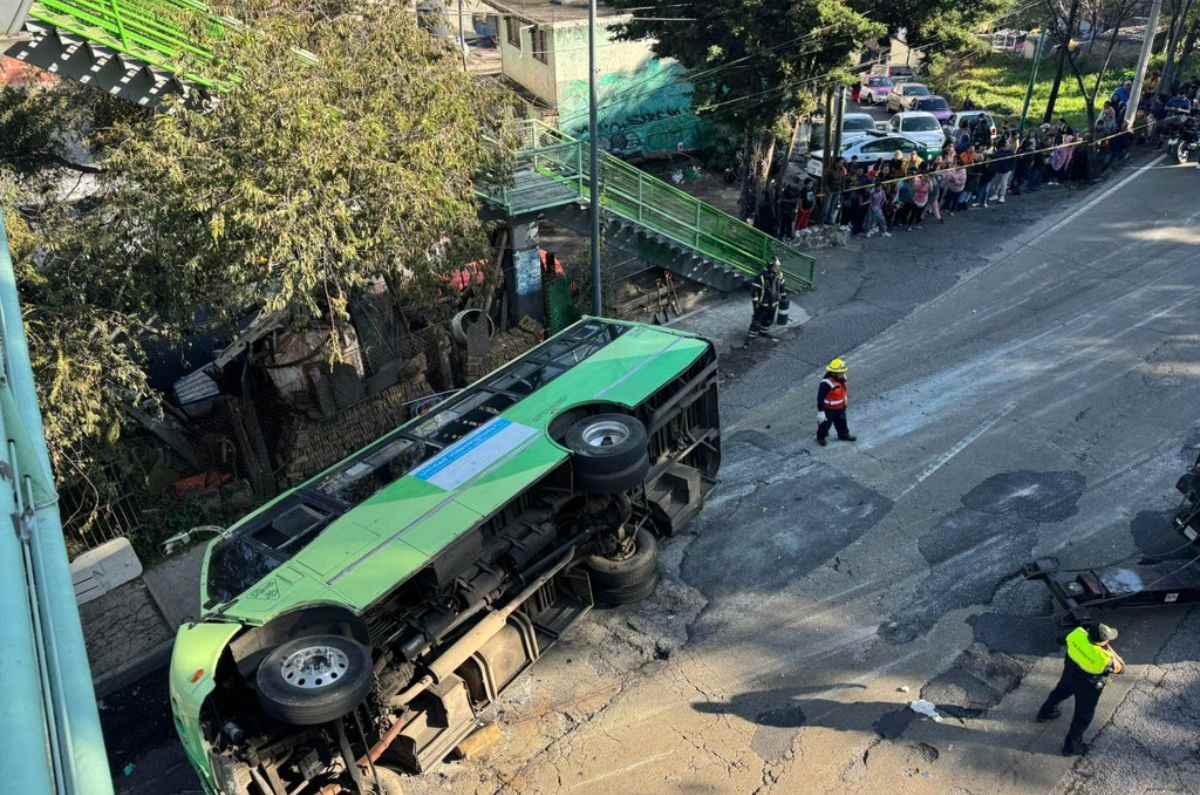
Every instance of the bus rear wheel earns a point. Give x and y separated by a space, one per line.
610 453
627 578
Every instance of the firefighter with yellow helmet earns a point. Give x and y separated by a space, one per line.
831 403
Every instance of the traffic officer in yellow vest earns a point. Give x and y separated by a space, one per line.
831 403
1090 659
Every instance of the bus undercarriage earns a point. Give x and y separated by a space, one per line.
444 644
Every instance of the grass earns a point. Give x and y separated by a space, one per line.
998 82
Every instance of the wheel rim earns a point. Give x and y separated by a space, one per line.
607 433
315 667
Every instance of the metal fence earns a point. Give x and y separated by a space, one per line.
552 169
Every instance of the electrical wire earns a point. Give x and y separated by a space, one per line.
826 76
703 75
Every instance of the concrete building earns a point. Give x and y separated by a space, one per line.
645 105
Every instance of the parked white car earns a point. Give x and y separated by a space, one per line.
856 127
876 146
904 95
920 126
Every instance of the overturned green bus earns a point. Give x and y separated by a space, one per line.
357 624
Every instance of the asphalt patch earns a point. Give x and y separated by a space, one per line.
1170 365
135 718
1033 496
768 534
974 550
976 682
1190 451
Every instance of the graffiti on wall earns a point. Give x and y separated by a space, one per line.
642 111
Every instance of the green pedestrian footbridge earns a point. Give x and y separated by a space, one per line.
552 171
138 50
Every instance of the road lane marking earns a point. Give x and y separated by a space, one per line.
648 760
963 444
1102 195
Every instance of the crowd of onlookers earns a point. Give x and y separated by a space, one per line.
976 169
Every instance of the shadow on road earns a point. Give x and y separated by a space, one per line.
788 708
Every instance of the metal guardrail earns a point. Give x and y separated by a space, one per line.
53 744
160 33
551 169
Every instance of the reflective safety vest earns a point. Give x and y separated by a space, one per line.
835 398
1091 659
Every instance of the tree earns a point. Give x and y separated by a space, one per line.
944 26
1182 17
294 189
307 182
753 62
1064 29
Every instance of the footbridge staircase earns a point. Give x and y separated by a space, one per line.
138 50
552 176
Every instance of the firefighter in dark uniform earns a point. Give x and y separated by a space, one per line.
831 403
1089 661
766 292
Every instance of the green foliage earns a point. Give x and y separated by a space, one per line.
37 120
753 60
304 183
83 339
998 82
296 189
945 26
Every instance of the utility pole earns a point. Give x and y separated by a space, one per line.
594 163
1037 59
462 39
1139 79
839 115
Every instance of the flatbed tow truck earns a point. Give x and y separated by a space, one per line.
1149 582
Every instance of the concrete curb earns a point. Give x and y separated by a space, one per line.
156 659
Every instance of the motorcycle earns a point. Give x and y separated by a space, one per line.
1183 138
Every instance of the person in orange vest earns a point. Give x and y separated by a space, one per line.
1089 661
831 403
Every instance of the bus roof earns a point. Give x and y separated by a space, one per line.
395 532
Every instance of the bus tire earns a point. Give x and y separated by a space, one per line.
614 597
604 483
314 679
625 580
618 573
604 444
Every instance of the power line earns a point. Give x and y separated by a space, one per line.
692 78
828 76
689 78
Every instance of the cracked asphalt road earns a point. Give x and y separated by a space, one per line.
1025 381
